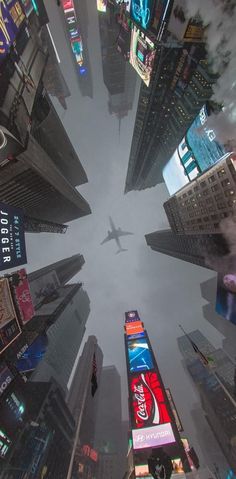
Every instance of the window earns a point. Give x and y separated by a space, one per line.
221 172
229 193
206 218
215 188
203 184
225 182
211 178
214 217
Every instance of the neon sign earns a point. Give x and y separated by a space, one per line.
141 12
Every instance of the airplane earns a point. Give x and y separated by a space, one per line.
115 234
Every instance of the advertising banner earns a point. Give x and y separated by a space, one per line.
101 6
154 436
9 325
226 296
11 19
139 355
134 327
6 377
141 12
148 401
183 29
197 151
20 287
131 316
142 54
28 7
12 237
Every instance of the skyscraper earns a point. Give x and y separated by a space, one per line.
181 84
217 405
65 269
34 173
193 248
200 206
81 382
69 313
108 436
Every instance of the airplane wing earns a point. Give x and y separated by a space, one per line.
108 238
123 233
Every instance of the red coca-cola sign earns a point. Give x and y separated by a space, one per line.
148 401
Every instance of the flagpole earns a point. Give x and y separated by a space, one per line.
212 372
70 469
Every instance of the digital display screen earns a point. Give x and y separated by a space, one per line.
153 436
102 6
20 287
134 327
139 355
131 316
141 12
33 354
137 336
12 17
197 151
148 402
142 471
142 54
12 236
226 296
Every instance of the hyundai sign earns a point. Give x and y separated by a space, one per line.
153 436
12 237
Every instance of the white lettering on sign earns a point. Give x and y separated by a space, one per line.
5 384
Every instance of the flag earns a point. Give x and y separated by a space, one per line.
206 360
94 384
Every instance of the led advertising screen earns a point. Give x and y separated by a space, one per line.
137 336
197 152
141 12
134 327
142 54
226 296
154 436
139 355
28 7
31 357
11 19
148 402
12 237
131 316
9 325
183 29
159 19
102 6
21 291
142 471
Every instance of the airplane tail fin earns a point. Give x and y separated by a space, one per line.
121 250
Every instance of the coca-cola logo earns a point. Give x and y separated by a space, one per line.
148 401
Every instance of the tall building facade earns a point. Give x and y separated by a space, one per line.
218 408
32 173
108 435
192 248
79 385
65 269
69 313
180 85
200 206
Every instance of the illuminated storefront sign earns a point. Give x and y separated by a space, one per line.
139 355
9 325
141 12
21 291
153 436
134 327
198 151
11 19
148 401
142 54
12 237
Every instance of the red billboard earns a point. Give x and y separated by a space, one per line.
148 402
9 325
21 291
134 327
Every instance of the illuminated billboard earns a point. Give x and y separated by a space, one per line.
181 27
137 336
139 355
226 296
142 54
11 20
198 151
28 7
159 18
131 316
12 237
102 6
134 327
148 401
21 292
141 12
141 471
153 436
31 357
73 32
9 325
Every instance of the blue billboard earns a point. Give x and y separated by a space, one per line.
139 355
12 237
199 150
33 354
141 12
11 19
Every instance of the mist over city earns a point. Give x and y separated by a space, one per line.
117 239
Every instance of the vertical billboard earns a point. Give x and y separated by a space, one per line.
141 12
142 54
12 237
197 151
139 355
226 296
11 20
9 325
181 27
73 30
21 293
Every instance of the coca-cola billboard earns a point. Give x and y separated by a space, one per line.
148 401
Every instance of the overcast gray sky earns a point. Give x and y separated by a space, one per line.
165 291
